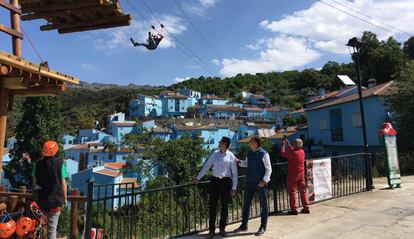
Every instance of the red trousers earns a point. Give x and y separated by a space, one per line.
297 180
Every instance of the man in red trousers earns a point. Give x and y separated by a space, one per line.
296 175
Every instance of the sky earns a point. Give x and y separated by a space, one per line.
225 37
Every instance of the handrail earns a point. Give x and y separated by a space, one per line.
30 195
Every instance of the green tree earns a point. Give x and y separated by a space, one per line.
402 103
409 48
380 60
41 122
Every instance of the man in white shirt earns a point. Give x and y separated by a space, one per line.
223 184
259 170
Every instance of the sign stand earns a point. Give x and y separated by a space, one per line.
392 165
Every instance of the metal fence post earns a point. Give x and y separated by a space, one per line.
275 204
371 177
88 226
368 172
74 216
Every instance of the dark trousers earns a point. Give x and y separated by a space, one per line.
250 190
220 189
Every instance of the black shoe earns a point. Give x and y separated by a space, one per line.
305 211
261 231
210 235
223 233
133 42
241 229
292 212
162 26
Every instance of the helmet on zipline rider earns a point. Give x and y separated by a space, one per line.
24 226
50 149
8 228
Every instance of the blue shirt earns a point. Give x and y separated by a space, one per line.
224 165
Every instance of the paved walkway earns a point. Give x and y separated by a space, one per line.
382 213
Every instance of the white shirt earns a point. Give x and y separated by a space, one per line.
267 165
224 165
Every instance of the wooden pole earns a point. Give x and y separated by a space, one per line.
15 24
4 104
74 216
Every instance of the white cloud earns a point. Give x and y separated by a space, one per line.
215 62
200 7
116 39
282 53
178 79
300 38
86 66
330 29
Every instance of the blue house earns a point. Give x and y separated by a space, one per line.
174 105
6 160
254 113
212 100
193 96
220 111
106 174
291 133
276 114
162 133
92 136
68 140
145 106
336 124
11 142
95 154
120 129
250 128
258 100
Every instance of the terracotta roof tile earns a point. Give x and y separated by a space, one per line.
253 109
125 124
374 91
131 182
116 166
109 172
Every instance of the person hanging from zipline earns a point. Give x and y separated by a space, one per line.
153 40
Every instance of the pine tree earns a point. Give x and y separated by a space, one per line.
41 122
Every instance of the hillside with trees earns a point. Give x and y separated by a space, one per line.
82 105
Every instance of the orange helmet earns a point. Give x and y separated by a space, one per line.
8 228
50 149
24 226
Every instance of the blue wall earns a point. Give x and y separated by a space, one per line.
375 115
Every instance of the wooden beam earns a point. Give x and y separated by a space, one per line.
14 83
23 65
11 32
62 6
10 7
41 91
85 24
96 27
52 14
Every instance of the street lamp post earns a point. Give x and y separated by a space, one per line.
355 45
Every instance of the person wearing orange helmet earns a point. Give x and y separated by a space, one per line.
49 178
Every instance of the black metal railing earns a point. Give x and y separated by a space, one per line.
122 211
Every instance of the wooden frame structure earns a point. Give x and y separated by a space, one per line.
21 77
68 16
